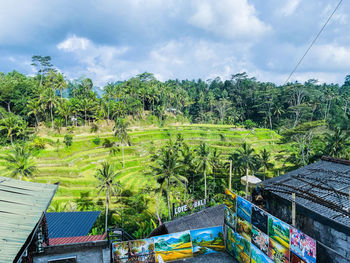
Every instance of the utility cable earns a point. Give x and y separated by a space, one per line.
313 42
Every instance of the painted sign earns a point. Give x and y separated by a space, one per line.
185 208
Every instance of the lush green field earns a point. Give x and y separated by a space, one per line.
74 167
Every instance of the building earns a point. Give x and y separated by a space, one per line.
69 240
22 218
322 205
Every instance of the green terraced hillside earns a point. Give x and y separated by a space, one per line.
74 168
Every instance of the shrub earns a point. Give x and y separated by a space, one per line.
37 144
249 124
97 141
68 140
107 143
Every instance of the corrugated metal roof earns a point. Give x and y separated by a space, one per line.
74 240
70 224
322 187
21 207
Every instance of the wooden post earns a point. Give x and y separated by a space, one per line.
293 209
230 180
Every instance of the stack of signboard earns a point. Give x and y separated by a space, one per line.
170 247
253 235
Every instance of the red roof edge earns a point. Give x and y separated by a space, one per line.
74 240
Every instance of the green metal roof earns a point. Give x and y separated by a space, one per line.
21 207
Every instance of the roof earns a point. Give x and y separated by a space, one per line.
322 187
212 216
22 205
73 240
70 224
210 258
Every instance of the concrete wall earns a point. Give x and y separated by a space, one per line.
92 252
333 240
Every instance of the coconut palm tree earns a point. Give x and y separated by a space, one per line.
336 143
50 99
237 168
34 106
167 171
20 162
248 160
13 125
216 164
120 131
265 161
107 179
203 164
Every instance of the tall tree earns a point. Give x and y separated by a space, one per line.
20 162
203 163
248 160
120 131
265 161
167 170
43 64
107 179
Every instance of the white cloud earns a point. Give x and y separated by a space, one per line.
229 19
74 43
290 7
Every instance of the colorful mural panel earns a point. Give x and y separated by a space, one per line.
120 251
231 200
238 246
279 231
207 240
277 252
259 218
302 245
173 246
257 256
244 228
230 217
260 240
244 209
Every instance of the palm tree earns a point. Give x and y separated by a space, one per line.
12 125
65 110
34 106
20 162
203 152
110 93
106 177
215 164
336 143
167 170
265 161
248 160
120 130
50 99
236 164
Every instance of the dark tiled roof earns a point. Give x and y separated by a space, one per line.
70 224
322 187
74 240
210 258
212 216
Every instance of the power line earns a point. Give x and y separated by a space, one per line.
313 42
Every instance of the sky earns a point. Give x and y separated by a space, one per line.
111 40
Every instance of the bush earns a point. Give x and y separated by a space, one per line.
97 141
68 140
107 143
249 124
37 144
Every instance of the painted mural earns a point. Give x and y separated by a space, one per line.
259 218
238 246
244 228
207 240
244 209
173 246
277 252
302 245
260 240
231 200
230 217
257 256
279 231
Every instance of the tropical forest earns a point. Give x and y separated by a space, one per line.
135 147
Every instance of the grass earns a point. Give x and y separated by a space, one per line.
75 167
